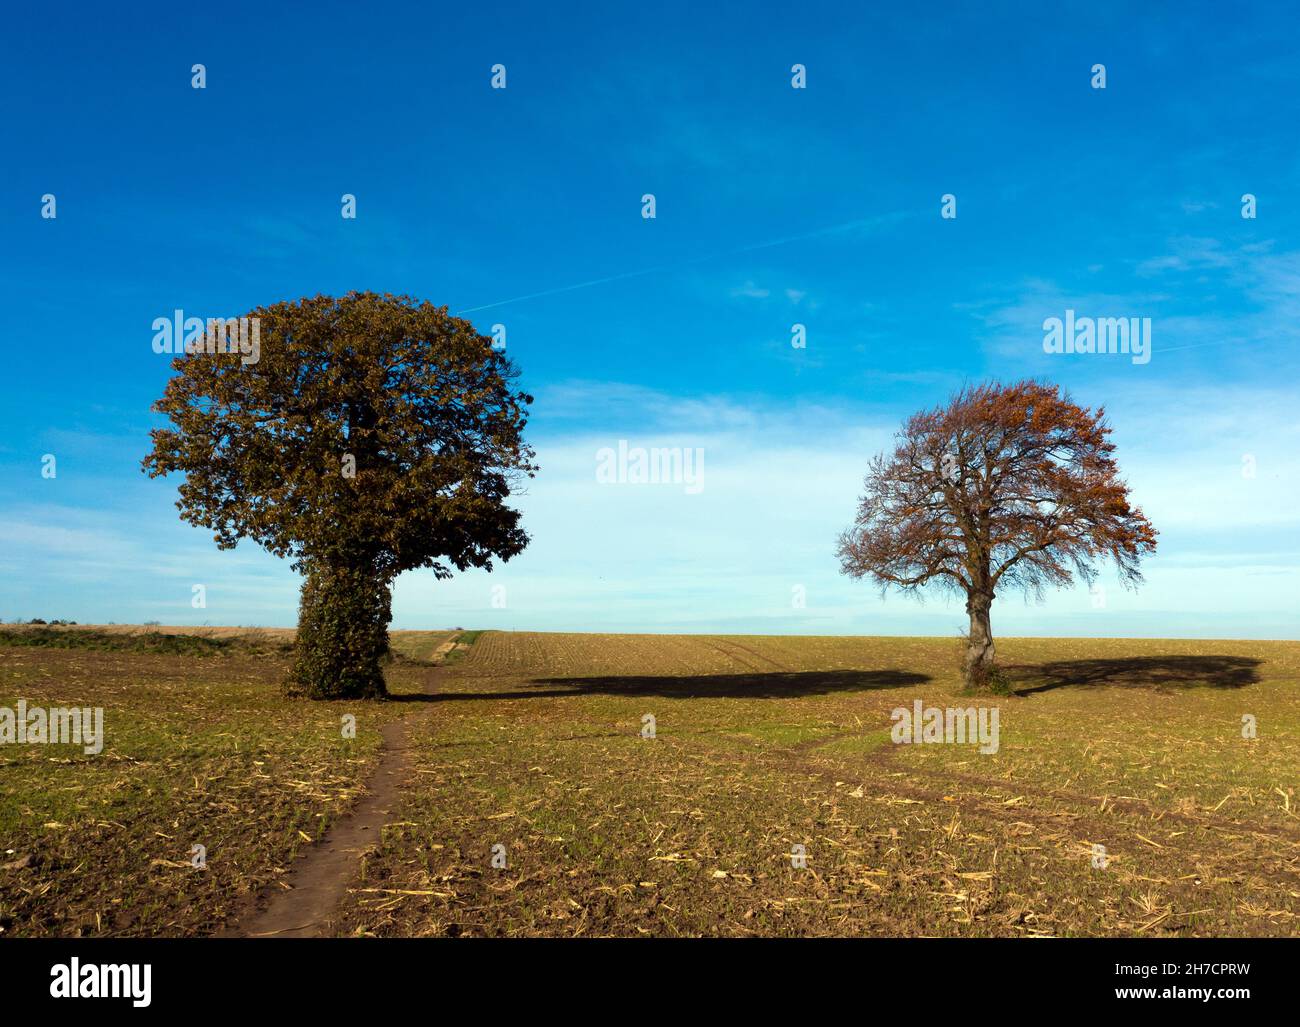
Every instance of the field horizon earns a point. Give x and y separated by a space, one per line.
234 629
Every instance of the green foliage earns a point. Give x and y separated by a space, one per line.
988 679
372 435
985 677
342 638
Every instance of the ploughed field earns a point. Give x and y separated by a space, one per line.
771 799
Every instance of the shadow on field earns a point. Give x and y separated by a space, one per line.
1155 672
776 685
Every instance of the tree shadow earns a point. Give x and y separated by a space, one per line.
1158 673
774 685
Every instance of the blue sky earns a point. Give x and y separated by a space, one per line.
774 206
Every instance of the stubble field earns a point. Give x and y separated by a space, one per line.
531 804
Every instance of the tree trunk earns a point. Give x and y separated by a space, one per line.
979 643
342 634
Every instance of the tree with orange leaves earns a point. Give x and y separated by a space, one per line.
1006 487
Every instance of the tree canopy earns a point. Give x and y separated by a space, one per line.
1005 487
373 435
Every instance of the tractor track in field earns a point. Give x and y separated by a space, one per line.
1131 806
1135 807
1089 804
1090 821
810 745
749 652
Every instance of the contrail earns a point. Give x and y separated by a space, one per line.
1201 345
565 288
847 226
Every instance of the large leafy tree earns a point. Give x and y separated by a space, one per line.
372 435
1006 487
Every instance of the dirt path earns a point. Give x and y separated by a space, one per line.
319 880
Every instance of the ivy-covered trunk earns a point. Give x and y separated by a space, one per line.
342 634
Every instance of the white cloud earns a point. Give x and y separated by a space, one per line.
780 481
751 291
